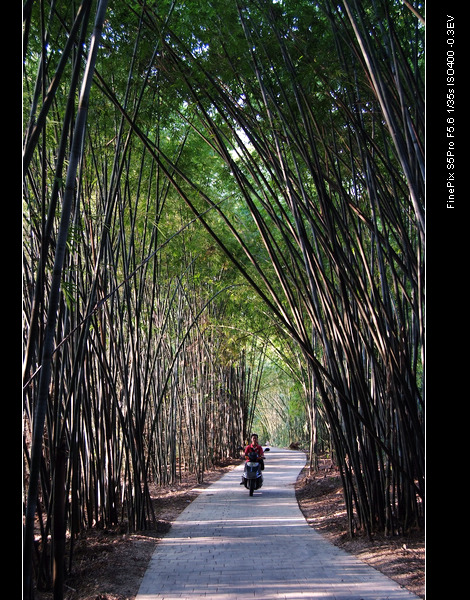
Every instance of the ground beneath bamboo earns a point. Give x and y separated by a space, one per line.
109 564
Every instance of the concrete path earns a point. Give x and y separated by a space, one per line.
226 545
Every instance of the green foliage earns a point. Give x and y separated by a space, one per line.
245 249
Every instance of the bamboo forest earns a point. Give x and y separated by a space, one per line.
223 231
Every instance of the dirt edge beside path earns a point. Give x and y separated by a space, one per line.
402 558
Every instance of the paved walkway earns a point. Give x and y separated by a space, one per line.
226 545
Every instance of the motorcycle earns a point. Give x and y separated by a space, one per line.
252 477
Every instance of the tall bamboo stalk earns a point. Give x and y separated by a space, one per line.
54 296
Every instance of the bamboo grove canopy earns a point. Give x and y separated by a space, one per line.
202 181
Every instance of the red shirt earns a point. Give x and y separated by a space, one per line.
256 449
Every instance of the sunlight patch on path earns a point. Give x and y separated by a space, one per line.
228 545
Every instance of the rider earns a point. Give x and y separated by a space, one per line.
255 447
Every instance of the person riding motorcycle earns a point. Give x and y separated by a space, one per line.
255 447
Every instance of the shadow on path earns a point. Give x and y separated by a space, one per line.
228 545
